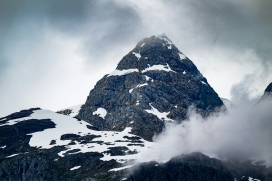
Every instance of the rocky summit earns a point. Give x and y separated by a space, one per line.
153 84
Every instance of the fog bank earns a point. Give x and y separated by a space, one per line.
245 132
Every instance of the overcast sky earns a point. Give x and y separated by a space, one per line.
53 52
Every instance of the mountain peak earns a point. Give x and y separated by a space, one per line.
153 84
156 51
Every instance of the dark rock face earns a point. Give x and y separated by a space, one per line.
92 128
198 167
15 138
160 77
195 166
269 88
115 151
245 169
46 165
82 139
267 96
69 136
17 115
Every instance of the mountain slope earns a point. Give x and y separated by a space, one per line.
38 144
267 93
153 84
193 166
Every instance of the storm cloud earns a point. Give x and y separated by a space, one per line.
53 52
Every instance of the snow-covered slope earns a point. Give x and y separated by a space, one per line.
81 137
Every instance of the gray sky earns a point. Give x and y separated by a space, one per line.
53 52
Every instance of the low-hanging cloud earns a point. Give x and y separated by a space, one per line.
243 133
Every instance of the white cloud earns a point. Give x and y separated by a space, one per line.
243 133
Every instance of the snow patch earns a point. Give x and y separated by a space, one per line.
142 44
127 130
74 168
147 78
253 179
120 168
3 147
159 67
138 55
182 56
184 72
122 72
13 155
101 112
160 115
203 83
140 85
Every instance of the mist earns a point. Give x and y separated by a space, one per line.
243 133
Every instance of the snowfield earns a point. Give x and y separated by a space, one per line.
102 142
